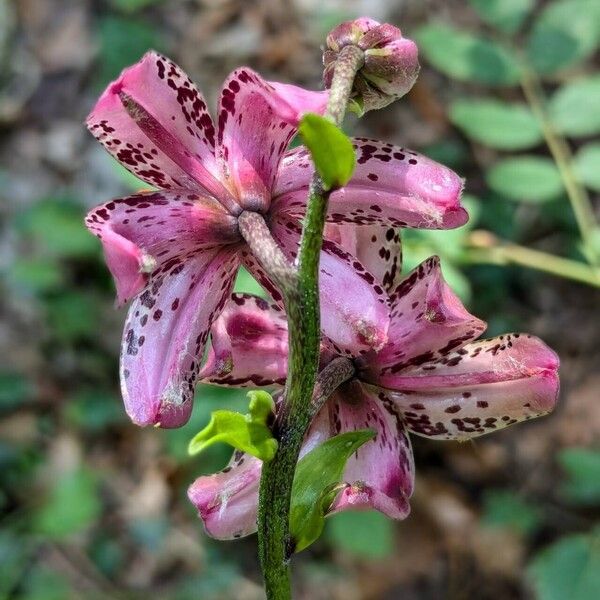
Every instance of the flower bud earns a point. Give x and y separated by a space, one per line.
391 63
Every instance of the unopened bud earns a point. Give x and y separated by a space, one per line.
391 62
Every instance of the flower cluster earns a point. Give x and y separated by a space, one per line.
174 253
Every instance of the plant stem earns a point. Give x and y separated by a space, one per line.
303 312
487 249
578 196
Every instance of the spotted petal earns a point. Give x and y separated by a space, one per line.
257 120
354 312
149 232
154 121
427 322
483 387
249 344
165 333
380 474
391 186
227 501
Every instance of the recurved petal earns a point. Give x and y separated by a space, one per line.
391 186
154 121
166 329
380 475
248 344
227 501
146 233
427 323
354 311
483 387
257 120
378 248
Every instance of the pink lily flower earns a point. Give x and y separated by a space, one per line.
432 378
176 251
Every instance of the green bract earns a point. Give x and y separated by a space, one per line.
317 482
497 124
526 178
467 57
330 148
249 433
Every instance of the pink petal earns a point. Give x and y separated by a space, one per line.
378 248
391 186
227 501
249 344
354 312
427 322
483 387
155 122
143 233
165 333
380 474
257 120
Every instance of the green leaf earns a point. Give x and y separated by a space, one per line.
574 108
14 390
503 508
565 33
249 433
245 283
582 467
132 6
570 568
73 505
526 178
467 57
497 124
587 165
35 276
330 148
365 534
505 15
317 482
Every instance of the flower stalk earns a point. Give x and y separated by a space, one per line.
303 312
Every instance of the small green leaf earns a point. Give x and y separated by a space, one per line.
582 467
35 275
249 433
505 15
570 568
14 390
330 148
587 165
526 178
574 108
317 482
503 508
497 124
467 57
565 33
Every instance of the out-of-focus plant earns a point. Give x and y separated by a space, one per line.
540 53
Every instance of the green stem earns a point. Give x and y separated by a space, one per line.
578 196
303 312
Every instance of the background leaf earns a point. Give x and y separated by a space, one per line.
582 467
566 32
503 508
467 57
574 108
497 124
587 165
505 15
526 178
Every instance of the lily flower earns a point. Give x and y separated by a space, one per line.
175 251
432 378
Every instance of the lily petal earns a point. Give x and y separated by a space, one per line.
249 344
427 322
154 121
227 501
380 474
257 120
378 248
483 387
166 329
354 311
147 232
391 186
